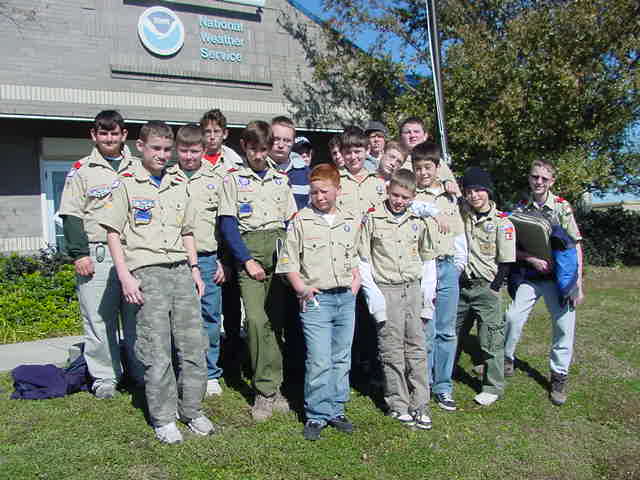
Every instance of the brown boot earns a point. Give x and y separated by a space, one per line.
558 392
262 407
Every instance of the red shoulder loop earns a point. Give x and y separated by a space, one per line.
77 165
232 169
293 216
371 209
179 178
560 199
127 174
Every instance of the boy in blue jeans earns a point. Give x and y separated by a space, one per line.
321 262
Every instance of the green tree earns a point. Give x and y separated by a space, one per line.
522 79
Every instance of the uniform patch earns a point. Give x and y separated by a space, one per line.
347 228
71 173
99 191
116 183
489 227
508 232
245 208
414 227
278 181
142 217
243 182
283 260
143 203
380 189
211 186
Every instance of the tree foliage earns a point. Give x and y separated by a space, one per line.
522 79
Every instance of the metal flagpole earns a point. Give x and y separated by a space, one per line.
434 50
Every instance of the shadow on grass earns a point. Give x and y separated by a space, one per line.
534 373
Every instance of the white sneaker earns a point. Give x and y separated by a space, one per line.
201 426
213 387
485 398
168 433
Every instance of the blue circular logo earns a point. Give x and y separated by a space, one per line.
161 31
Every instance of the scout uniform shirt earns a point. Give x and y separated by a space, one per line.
204 190
88 189
258 203
443 243
152 219
491 239
556 209
395 246
323 254
357 196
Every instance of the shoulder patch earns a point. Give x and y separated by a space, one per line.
503 214
560 200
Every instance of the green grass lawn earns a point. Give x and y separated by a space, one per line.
596 435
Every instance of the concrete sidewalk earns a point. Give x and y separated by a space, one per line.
40 352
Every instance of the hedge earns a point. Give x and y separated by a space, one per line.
37 298
611 237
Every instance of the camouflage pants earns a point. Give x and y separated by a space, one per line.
170 317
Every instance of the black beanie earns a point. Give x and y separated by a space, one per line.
475 177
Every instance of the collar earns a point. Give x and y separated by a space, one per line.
96 158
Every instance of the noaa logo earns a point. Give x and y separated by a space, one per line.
161 31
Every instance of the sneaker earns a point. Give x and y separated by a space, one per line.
105 390
168 433
280 404
213 387
201 426
422 418
485 398
509 367
404 418
342 424
262 408
312 430
445 401
558 393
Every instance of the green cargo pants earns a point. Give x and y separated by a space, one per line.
478 303
264 311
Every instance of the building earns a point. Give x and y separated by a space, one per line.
65 60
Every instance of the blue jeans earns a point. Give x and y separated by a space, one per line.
328 334
211 305
440 332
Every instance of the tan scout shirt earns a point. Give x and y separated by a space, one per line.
205 190
443 243
557 209
258 203
151 219
396 247
491 240
88 189
323 254
356 197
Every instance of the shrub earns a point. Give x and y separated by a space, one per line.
37 298
611 237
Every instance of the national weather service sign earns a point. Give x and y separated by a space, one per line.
161 31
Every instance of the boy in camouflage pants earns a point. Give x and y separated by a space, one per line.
159 273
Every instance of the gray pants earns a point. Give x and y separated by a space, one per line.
402 349
170 319
100 298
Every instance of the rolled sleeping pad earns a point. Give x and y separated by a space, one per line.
532 234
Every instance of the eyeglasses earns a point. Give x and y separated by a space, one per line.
539 178
284 141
